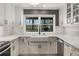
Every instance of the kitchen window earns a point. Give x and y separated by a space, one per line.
31 24
39 23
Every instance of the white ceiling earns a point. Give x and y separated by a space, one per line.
41 5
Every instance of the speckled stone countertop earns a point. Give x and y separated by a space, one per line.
73 40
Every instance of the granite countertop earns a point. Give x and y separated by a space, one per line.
9 38
12 37
73 40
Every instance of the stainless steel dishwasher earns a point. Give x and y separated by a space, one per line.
5 48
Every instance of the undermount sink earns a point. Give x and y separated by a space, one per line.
39 36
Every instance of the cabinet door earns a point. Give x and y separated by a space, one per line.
1 14
67 49
18 16
9 14
76 12
60 47
14 48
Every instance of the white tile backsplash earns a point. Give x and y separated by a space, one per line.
6 30
72 30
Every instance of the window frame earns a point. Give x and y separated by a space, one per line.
39 19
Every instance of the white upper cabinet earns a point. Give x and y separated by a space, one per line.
7 15
1 14
76 12
18 15
68 13
10 17
73 13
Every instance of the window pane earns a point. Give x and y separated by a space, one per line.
46 20
68 20
69 10
31 20
46 28
69 15
77 12
76 19
74 13
68 5
32 28
75 5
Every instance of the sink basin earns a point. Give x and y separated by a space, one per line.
40 36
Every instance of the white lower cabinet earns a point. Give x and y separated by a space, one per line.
40 46
14 50
70 50
67 49
49 48
75 51
26 46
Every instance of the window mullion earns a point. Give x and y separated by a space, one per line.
39 24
